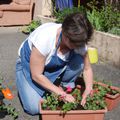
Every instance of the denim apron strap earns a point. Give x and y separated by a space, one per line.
56 66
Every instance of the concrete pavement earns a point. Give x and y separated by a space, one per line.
10 40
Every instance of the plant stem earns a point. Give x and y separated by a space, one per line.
78 3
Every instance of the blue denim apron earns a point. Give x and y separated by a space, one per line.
69 69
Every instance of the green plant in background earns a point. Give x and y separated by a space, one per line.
107 20
31 27
115 31
111 18
60 15
8 109
97 4
53 8
95 19
106 88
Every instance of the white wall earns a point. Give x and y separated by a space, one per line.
42 7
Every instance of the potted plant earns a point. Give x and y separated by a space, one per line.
112 94
54 107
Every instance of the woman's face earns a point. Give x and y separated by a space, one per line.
70 44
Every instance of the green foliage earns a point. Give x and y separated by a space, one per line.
107 19
97 4
5 104
10 110
94 102
97 99
53 7
50 99
32 26
95 19
107 89
115 31
62 14
54 102
69 106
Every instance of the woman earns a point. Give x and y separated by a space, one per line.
54 55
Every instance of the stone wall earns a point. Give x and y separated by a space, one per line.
108 46
42 7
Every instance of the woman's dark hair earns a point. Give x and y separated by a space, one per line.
77 28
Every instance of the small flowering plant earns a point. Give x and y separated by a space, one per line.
5 106
111 93
106 88
55 102
95 101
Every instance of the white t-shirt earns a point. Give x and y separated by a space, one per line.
44 39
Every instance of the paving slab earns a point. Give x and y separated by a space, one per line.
10 40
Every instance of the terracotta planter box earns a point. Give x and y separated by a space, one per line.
111 100
73 115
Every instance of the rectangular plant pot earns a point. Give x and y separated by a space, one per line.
111 100
73 114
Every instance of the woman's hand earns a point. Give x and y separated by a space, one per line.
69 98
84 96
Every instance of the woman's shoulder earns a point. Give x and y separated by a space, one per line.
45 30
43 38
49 25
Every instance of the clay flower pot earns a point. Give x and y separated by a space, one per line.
73 114
111 100
55 108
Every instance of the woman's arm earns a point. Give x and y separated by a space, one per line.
88 79
37 63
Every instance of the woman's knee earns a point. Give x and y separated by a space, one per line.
31 108
30 102
29 97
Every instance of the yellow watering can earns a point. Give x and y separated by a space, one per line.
93 55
